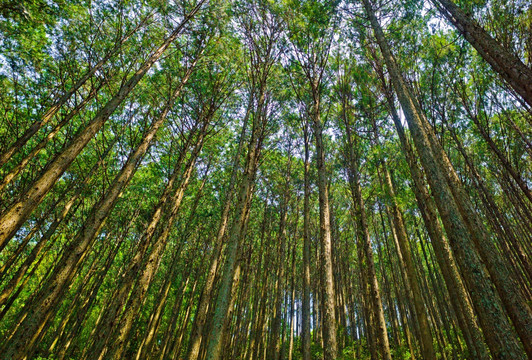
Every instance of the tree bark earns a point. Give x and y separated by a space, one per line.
306 247
327 276
50 113
207 293
505 63
22 341
214 344
367 263
15 216
499 334
427 347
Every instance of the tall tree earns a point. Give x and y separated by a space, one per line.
265 180
312 45
501 59
502 346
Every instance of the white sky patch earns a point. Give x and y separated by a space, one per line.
436 23
402 117
330 132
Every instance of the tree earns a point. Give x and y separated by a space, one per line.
265 180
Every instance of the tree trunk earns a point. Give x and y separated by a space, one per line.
292 301
15 216
273 350
327 276
306 248
49 114
458 294
500 336
505 63
13 173
23 340
367 264
427 348
376 310
207 294
214 344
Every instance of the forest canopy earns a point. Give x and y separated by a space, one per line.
259 179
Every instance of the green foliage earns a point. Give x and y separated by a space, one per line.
323 53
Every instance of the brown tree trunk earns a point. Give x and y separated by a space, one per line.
23 340
367 262
273 350
15 216
292 300
151 264
327 276
427 348
81 313
148 341
505 63
306 248
500 336
214 344
13 173
207 293
260 291
37 249
458 294
139 265
377 327
171 329
49 114
263 55
388 295
497 265
400 292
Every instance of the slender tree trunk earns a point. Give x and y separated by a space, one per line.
259 332
427 348
206 296
49 114
368 313
13 173
22 341
495 150
458 294
292 301
273 350
367 263
15 216
166 346
175 350
497 265
86 294
151 265
388 294
327 276
81 313
306 248
38 248
261 279
142 266
400 287
148 341
127 278
214 344
155 317
500 336
505 63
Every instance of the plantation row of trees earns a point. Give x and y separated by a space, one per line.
257 179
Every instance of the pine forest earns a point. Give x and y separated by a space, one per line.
265 179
